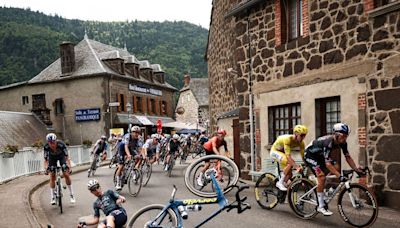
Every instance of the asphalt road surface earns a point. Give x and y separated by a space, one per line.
159 191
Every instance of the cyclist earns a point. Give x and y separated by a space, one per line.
318 158
55 150
109 202
130 146
100 149
212 147
173 149
281 152
152 147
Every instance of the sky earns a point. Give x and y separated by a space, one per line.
197 12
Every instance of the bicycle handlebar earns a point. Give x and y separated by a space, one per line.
239 202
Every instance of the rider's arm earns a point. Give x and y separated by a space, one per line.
46 158
126 147
92 221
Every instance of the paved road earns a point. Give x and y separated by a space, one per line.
159 190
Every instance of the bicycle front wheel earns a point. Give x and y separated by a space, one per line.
59 195
266 192
303 199
229 172
146 172
147 217
357 205
135 182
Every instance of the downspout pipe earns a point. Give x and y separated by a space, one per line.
251 114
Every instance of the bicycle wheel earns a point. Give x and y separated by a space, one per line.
145 216
302 198
266 192
190 174
59 195
171 165
112 161
357 205
115 177
135 179
146 172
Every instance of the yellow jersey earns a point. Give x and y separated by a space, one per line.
286 144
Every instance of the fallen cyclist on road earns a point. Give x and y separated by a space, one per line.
109 202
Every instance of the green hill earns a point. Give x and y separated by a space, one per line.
29 43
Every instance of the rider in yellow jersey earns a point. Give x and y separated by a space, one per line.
281 151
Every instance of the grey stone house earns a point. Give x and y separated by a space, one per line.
314 63
193 98
92 88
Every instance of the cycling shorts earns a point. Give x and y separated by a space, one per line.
120 217
53 162
279 157
316 163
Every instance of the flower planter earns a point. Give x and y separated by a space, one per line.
7 154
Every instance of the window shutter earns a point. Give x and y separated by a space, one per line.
119 100
124 103
134 105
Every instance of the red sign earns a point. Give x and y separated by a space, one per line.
159 124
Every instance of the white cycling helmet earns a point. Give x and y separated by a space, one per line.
93 184
103 137
341 128
135 129
51 137
175 136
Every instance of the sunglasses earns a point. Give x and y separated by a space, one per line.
302 135
93 190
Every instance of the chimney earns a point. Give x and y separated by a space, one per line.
67 56
186 80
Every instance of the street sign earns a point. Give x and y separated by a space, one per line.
113 104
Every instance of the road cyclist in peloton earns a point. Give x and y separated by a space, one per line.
110 203
318 158
55 150
212 147
172 149
151 148
100 150
281 151
131 145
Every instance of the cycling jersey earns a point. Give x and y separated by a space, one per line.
133 145
151 147
286 144
100 146
59 154
173 146
214 141
107 203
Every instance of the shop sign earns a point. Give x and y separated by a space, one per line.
142 89
87 114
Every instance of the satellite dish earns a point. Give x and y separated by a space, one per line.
180 110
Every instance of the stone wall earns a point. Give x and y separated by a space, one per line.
189 103
339 33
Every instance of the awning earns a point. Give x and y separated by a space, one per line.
144 120
122 118
183 125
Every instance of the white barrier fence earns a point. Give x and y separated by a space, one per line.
30 161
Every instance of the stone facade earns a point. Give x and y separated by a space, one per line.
351 43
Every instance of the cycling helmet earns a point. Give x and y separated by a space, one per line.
103 137
93 184
300 129
341 128
222 132
175 136
51 137
154 136
135 129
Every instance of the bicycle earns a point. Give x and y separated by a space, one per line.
58 189
95 164
267 194
227 174
198 150
171 164
146 169
113 160
175 211
131 176
351 196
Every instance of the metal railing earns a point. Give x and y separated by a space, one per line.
31 161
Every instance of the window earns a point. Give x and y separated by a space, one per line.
38 102
121 98
152 106
291 19
327 114
282 119
380 3
164 108
59 106
139 104
25 100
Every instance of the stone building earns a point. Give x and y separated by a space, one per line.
193 98
314 63
91 88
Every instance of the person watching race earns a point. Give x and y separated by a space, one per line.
131 145
318 158
55 150
151 148
109 202
173 149
212 147
281 151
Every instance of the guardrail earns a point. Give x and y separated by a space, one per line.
30 161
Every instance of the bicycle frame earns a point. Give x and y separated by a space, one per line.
221 200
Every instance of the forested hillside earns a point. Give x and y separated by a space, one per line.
29 43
